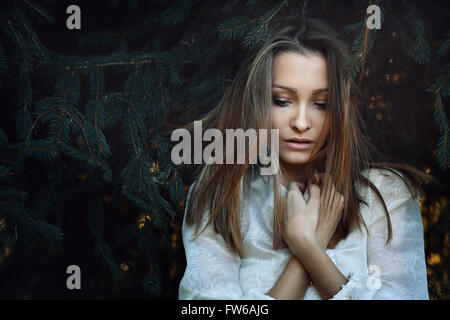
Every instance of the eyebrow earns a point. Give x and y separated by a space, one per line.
317 91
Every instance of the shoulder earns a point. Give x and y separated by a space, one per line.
393 188
391 183
190 190
259 187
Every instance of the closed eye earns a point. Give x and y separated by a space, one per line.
280 102
321 105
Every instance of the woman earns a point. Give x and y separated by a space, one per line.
332 223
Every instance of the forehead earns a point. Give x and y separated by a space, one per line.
302 72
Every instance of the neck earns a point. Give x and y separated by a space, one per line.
293 172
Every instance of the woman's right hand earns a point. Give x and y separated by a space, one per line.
301 214
306 213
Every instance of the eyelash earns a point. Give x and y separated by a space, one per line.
321 106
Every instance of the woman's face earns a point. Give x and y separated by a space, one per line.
299 104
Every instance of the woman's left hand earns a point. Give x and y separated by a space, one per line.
329 216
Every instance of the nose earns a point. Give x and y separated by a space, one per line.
300 119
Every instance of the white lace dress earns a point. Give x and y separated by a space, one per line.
375 271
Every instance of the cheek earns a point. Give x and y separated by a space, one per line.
319 120
277 119
322 121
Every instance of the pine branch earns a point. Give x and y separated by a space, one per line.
262 31
361 46
42 12
25 59
97 226
421 48
95 111
134 61
445 47
31 34
23 214
363 58
444 141
234 27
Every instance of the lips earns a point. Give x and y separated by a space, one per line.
298 143
299 140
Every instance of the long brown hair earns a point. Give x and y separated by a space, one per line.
343 150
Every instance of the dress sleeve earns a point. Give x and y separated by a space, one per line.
396 271
212 270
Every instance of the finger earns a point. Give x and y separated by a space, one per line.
293 186
301 186
294 192
335 198
314 195
320 177
317 176
306 195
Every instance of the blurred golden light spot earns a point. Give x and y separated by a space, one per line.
173 271
379 116
395 78
433 259
427 170
83 176
421 201
143 219
124 267
382 104
155 167
2 224
436 208
425 224
399 77
174 240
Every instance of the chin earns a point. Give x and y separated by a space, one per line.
295 158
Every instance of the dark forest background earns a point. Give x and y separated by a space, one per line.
85 170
